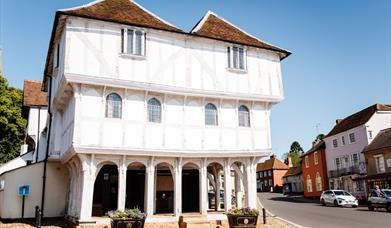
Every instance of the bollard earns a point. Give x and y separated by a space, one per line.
38 216
264 215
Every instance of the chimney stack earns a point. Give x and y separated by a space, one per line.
337 121
290 162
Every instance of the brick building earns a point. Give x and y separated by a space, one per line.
270 173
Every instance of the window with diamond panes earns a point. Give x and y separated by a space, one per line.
154 110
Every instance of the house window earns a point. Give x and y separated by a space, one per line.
270 182
359 185
265 182
154 110
316 161
343 141
338 163
133 42
260 174
318 181
335 143
307 161
236 58
265 173
2 183
309 184
270 173
244 116
352 138
355 159
379 159
370 134
210 114
113 106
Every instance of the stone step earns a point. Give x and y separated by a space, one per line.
198 225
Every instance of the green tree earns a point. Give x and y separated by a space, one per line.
12 124
294 153
318 138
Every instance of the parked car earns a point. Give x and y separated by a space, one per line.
382 201
338 198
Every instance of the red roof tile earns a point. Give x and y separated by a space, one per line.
121 11
357 119
32 94
272 163
293 171
213 26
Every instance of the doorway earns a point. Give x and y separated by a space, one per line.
105 190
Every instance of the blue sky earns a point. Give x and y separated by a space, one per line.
341 61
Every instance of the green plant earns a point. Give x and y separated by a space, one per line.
244 211
134 213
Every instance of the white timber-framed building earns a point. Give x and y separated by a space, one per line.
146 115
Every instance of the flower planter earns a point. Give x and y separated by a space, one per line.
127 223
242 221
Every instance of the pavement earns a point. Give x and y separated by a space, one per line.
305 212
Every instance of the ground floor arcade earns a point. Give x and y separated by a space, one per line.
158 185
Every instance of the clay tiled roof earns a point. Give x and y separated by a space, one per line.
32 94
293 171
316 147
382 140
213 26
121 11
357 119
272 163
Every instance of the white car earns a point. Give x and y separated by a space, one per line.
338 198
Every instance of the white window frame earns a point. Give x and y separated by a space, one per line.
343 141
2 184
309 184
260 174
307 161
270 173
338 164
370 134
316 159
124 42
350 137
335 143
318 182
380 166
231 60
244 116
211 115
154 110
111 105
270 182
352 159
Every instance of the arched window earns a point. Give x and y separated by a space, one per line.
318 181
113 106
244 116
309 184
154 110
210 114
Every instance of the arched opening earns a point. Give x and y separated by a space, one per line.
135 186
105 190
190 188
164 189
215 186
238 188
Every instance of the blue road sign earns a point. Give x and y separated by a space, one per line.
24 190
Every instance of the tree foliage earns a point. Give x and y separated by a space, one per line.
294 153
318 138
12 124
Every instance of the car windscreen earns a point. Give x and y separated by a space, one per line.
341 193
387 193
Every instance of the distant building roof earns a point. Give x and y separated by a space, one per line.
121 11
215 27
316 147
293 171
382 140
32 94
272 163
357 119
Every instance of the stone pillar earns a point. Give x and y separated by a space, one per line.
238 190
251 194
227 186
122 170
87 192
178 188
150 180
203 188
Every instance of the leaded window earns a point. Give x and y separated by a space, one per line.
244 116
154 110
113 106
210 114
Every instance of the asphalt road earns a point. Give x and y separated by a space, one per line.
308 213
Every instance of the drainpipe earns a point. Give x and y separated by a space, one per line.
47 148
38 133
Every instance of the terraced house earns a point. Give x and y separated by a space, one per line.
146 115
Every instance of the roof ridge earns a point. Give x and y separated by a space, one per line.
82 6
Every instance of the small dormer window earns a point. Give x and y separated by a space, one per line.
236 58
133 42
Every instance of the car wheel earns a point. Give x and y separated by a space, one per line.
335 203
370 207
388 207
354 206
322 202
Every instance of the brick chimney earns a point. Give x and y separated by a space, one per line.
337 121
272 156
290 162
